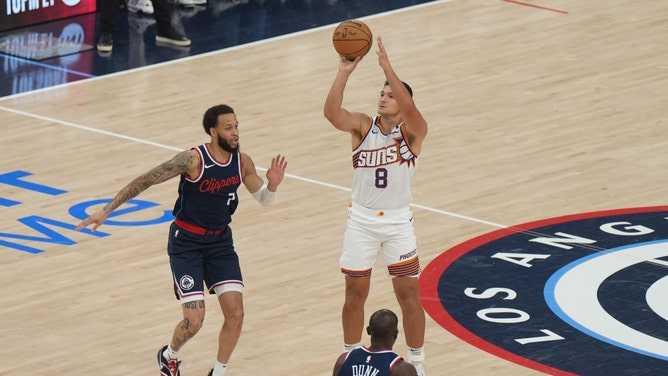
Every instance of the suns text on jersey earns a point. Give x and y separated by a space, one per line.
375 158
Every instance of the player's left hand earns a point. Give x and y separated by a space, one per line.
383 59
276 172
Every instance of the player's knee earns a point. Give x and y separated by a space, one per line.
195 327
192 325
235 319
407 289
355 299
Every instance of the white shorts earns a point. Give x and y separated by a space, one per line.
388 232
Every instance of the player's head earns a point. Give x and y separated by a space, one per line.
220 123
383 326
387 103
407 86
210 118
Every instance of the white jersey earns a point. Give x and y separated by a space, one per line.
384 165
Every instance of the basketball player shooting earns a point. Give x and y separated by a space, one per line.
385 150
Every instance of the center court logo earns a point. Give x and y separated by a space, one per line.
582 294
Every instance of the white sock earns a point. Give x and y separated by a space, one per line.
416 358
348 347
416 355
219 369
170 354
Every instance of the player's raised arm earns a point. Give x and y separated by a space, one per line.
415 122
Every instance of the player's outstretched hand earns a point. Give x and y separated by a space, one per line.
95 219
276 172
383 60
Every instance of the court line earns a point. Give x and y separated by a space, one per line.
89 129
173 148
288 175
536 6
211 53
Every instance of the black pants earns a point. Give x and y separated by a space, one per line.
109 8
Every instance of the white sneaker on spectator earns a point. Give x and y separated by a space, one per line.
144 6
139 24
188 3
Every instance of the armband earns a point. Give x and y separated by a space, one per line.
264 196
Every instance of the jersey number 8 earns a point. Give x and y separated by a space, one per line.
381 178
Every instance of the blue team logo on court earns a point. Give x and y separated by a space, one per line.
584 294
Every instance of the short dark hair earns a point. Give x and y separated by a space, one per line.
210 118
407 86
383 323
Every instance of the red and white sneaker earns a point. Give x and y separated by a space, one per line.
168 367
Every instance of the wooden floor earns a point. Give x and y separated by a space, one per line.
533 114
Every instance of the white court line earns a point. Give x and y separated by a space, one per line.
296 177
207 54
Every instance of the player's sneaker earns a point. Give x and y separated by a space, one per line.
168 367
419 368
143 6
210 373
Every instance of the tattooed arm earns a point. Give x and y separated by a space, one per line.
184 163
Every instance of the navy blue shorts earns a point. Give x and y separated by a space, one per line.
198 259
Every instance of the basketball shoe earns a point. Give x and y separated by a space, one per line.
416 358
172 37
419 368
188 3
168 367
106 42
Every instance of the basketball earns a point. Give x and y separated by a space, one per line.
352 38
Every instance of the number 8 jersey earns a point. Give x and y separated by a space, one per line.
384 165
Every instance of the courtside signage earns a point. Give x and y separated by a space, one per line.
582 294
19 13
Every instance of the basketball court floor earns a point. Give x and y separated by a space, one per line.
539 200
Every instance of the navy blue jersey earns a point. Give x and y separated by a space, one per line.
361 361
209 200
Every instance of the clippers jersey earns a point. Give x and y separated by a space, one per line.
361 361
384 165
209 200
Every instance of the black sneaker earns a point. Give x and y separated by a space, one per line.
168 367
173 38
106 42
